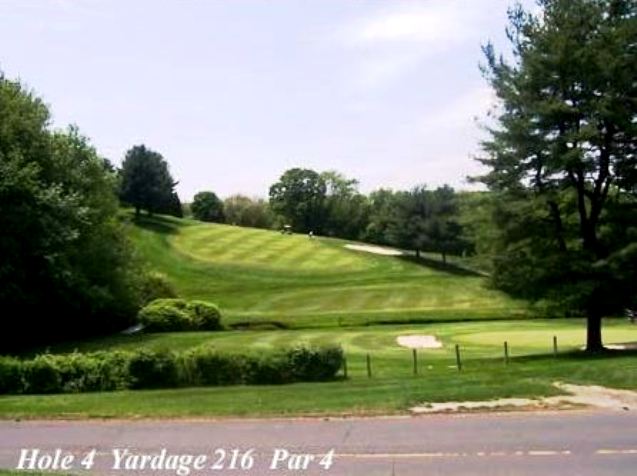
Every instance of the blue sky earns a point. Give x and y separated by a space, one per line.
234 92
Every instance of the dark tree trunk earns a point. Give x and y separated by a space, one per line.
137 211
417 253
444 257
594 332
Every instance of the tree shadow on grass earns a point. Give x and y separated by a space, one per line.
440 266
157 224
580 355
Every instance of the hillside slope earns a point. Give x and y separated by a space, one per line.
264 276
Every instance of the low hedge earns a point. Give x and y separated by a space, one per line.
200 366
168 315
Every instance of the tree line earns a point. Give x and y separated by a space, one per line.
330 204
558 225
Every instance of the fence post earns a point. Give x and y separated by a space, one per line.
415 355
555 346
506 353
458 361
369 366
344 367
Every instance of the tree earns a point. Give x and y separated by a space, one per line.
346 210
408 225
245 211
561 156
206 206
443 228
67 269
381 210
146 182
299 196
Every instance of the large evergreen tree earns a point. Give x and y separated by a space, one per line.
146 183
562 156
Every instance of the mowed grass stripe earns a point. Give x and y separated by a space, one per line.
261 274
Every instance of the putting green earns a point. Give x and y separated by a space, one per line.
533 338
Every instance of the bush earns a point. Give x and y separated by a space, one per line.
201 366
99 371
206 315
315 364
206 366
11 370
42 375
153 369
155 285
165 315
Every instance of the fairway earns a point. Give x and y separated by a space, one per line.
262 275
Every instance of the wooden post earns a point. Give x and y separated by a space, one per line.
555 346
369 366
415 355
458 361
506 353
344 367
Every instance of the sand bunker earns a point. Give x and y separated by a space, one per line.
375 249
419 342
580 396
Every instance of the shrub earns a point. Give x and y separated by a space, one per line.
11 370
153 369
42 375
201 366
165 315
206 366
100 371
310 364
206 315
154 285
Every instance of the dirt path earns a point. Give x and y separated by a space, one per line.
579 396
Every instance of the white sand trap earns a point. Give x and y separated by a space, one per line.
375 249
419 342
580 396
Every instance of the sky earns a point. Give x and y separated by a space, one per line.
234 92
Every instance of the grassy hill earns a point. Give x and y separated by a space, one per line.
264 276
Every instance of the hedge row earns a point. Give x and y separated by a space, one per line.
201 366
166 315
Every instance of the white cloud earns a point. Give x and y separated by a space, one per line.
461 113
395 39
431 23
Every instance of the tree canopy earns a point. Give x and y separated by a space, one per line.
299 197
561 156
67 269
146 183
206 206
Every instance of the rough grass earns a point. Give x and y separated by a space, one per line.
261 275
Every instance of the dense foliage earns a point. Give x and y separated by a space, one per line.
206 206
146 183
562 157
201 366
166 315
245 211
67 269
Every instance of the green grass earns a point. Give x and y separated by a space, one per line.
261 275
392 389
318 292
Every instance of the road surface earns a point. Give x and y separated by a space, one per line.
551 443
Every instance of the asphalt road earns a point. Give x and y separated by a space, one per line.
559 443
